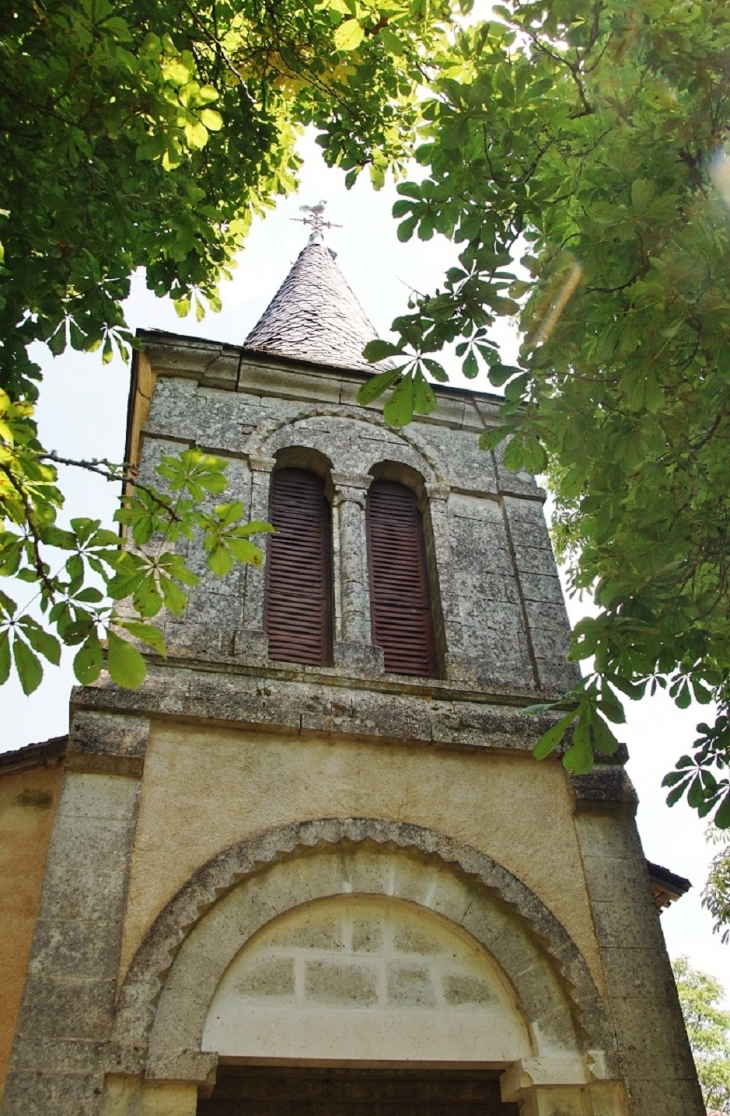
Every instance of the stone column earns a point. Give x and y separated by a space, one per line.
251 641
652 1046
353 630
65 1021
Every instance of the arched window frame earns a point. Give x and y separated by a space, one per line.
291 638
409 479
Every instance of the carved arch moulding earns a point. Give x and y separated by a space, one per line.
356 449
173 978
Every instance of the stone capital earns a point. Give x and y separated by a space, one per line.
437 491
525 1075
262 464
351 486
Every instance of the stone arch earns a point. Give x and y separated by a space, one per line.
311 425
302 457
235 894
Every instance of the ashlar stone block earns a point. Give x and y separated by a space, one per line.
339 983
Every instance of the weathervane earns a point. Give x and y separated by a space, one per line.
315 218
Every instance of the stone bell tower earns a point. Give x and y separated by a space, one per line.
311 866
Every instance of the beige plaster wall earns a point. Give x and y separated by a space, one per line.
27 807
207 788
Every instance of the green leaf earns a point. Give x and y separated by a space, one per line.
391 41
376 385
30 671
578 759
228 514
125 664
256 527
695 794
513 457
245 551
674 796
220 561
89 596
212 120
379 350
436 370
398 411
605 741
722 817
424 399
550 740
470 366
683 700
174 598
611 707
147 633
147 599
534 456
88 660
4 656
500 373
349 35
490 439
40 640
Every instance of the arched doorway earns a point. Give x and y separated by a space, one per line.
358 946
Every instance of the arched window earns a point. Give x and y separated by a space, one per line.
298 598
399 595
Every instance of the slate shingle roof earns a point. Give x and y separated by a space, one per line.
314 316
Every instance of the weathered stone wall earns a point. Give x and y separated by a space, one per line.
27 807
500 613
64 1024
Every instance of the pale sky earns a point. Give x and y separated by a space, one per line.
82 414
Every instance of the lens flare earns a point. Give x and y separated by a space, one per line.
561 300
720 174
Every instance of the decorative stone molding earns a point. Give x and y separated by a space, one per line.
275 434
265 876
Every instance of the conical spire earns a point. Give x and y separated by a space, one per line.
314 316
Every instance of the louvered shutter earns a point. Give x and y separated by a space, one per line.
399 596
297 611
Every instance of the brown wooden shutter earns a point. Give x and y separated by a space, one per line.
297 608
399 596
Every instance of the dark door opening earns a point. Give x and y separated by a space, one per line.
299 1091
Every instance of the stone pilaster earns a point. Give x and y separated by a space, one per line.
59 1053
445 605
251 641
652 1045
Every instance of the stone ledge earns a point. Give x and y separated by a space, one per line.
606 788
364 709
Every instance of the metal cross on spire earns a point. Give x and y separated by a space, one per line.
314 217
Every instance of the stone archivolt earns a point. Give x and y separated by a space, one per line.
541 995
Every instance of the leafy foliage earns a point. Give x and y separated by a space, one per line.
587 139
146 134
716 896
708 1030
103 589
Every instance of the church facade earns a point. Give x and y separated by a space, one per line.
311 866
